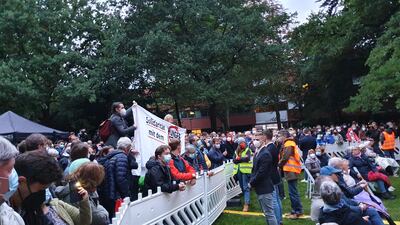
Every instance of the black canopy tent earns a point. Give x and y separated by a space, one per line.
16 128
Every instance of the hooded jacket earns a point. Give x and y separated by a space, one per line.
158 175
117 175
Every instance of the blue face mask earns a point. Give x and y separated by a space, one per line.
12 185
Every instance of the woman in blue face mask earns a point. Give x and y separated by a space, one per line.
9 182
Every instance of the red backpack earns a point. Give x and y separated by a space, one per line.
105 130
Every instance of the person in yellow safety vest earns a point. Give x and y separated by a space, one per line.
388 142
289 162
243 165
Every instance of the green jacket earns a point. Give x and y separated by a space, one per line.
72 215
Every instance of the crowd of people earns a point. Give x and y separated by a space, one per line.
77 181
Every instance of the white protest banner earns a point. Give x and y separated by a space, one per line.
152 131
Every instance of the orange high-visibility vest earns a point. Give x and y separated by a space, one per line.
294 163
389 142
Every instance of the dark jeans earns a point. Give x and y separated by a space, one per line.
389 154
295 201
374 216
109 205
135 188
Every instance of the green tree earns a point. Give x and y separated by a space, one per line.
335 48
46 50
380 89
196 51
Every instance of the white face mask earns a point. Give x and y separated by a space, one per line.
257 144
312 156
122 112
217 146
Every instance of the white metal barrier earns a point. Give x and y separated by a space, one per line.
199 204
342 150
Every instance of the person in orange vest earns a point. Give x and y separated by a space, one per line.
388 142
290 163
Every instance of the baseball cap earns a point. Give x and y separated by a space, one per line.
329 170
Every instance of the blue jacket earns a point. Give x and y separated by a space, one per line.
216 158
117 176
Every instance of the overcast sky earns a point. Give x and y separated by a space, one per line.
302 7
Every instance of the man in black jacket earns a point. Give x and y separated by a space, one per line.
261 178
158 173
119 123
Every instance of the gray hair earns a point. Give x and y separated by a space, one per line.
123 143
330 193
335 162
190 148
7 150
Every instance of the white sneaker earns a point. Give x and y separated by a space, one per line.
391 189
303 181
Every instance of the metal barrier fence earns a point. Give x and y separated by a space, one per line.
199 204
342 150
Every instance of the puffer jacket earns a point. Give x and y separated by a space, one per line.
216 158
117 176
158 175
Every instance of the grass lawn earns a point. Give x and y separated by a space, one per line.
393 207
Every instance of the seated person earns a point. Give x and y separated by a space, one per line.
364 196
336 211
316 200
158 172
388 164
215 155
322 156
180 168
312 163
335 175
370 172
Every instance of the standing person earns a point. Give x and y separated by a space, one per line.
306 143
230 146
169 118
117 176
352 136
242 169
291 166
8 152
180 168
262 178
36 171
136 170
119 124
215 155
373 133
388 141
158 172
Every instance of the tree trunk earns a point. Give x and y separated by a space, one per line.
178 117
213 116
278 119
228 124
